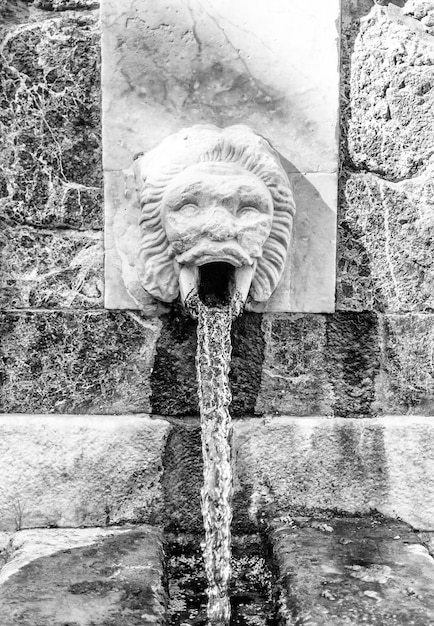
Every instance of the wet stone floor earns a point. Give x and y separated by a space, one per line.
251 590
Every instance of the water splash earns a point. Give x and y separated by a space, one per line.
212 363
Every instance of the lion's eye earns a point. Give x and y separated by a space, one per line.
189 210
247 212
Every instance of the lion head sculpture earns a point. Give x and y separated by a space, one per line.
210 195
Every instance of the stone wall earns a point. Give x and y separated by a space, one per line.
63 353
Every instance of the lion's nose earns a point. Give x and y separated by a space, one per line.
220 226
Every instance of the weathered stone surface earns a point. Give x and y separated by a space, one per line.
76 362
80 471
103 577
347 364
353 362
351 465
390 131
13 12
385 258
46 268
50 123
406 380
350 571
182 479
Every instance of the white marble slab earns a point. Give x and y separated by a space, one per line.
272 66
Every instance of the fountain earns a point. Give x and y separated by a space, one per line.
216 214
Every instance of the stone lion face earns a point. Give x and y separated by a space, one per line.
217 212
212 196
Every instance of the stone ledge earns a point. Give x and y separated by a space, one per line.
81 576
59 470
352 465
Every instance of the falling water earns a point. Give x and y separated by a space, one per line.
212 364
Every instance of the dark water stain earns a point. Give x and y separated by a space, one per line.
248 346
182 479
173 379
353 360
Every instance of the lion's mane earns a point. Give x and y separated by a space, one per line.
200 144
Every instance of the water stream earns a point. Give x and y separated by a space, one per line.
212 364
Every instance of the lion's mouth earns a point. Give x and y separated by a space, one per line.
216 283
216 271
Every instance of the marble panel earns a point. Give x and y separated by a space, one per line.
168 66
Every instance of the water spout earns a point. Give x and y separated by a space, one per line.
212 364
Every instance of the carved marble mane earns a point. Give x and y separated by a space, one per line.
212 195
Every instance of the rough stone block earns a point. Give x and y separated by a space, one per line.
66 5
390 130
319 365
80 471
406 380
352 362
74 362
386 250
50 123
97 576
352 465
340 571
294 375
48 268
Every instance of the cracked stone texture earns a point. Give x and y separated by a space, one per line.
386 251
65 5
103 577
60 471
50 123
347 364
184 64
76 362
344 571
386 225
44 268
